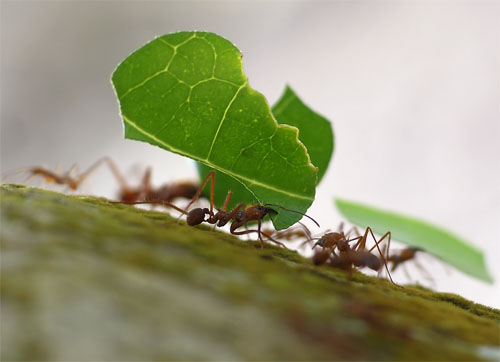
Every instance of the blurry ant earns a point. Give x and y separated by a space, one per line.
401 257
348 256
127 195
238 217
293 233
73 183
146 192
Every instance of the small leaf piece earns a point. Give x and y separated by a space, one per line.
315 132
434 240
186 92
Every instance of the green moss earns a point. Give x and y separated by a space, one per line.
91 279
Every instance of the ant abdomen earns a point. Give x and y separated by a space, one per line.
365 258
320 257
195 217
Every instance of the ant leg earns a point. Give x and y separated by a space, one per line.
425 273
259 229
260 232
146 182
164 203
47 176
274 241
80 177
226 201
308 241
387 234
355 229
232 214
211 177
116 172
407 274
70 171
246 229
31 177
71 183
385 248
306 230
359 240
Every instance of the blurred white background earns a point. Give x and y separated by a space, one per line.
412 89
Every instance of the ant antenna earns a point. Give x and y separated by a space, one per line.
295 211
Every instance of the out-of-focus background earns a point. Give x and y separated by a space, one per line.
412 89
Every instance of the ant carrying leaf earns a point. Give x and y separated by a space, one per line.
239 216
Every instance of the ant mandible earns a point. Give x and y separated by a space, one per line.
238 217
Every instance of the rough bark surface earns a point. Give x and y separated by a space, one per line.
86 279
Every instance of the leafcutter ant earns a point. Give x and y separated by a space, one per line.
292 234
355 256
240 216
63 179
402 257
146 192
127 194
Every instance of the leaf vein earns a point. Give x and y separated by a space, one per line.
208 163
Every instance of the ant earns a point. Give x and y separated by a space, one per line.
127 194
348 256
405 255
145 191
239 216
402 256
65 178
293 233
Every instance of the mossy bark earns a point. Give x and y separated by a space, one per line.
86 279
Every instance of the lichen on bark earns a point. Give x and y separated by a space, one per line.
86 279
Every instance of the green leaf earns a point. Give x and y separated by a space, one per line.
223 184
434 240
315 132
186 92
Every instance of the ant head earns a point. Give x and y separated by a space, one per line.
268 210
73 185
284 208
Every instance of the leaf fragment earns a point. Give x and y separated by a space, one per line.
186 92
441 243
315 132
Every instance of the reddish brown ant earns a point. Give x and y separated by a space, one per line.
127 195
292 234
348 256
402 256
65 178
238 217
146 192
